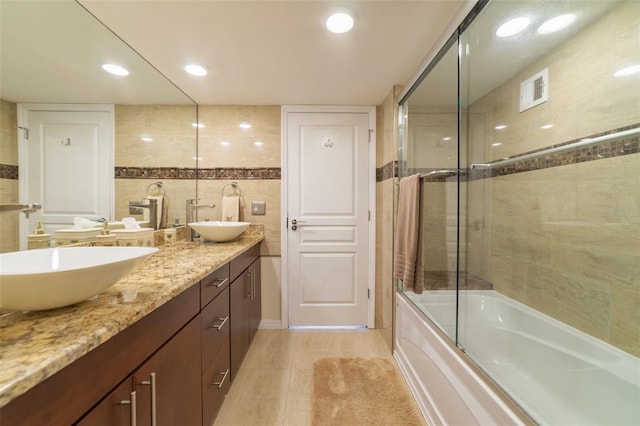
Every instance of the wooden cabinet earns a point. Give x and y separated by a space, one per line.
175 364
246 311
117 408
168 384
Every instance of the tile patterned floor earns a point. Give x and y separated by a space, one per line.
274 386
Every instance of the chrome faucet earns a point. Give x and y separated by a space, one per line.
24 208
192 208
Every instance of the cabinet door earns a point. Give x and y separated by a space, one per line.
168 385
256 300
117 408
239 311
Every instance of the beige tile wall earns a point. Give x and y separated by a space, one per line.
174 146
386 152
8 187
584 96
565 240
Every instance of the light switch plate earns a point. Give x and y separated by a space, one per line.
258 207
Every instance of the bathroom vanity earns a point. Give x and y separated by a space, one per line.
164 343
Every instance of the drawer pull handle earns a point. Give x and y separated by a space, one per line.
219 326
217 283
152 383
134 407
224 377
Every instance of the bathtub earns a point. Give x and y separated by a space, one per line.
555 373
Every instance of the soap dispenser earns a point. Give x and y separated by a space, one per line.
39 238
106 238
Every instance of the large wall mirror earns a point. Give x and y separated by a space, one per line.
51 60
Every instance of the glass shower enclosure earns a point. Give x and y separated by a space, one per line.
525 131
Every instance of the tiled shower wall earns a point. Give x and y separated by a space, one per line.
8 175
565 239
386 177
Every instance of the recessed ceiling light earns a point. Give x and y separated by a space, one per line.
258 143
500 126
225 143
546 126
115 69
196 70
244 125
339 23
147 139
627 71
556 24
513 27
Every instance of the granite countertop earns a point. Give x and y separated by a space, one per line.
36 345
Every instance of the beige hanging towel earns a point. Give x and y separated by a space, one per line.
231 209
408 239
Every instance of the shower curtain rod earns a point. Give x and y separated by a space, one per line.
553 150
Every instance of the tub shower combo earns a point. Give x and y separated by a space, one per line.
527 146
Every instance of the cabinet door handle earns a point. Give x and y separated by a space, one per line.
248 275
219 326
224 377
253 284
217 283
152 382
134 407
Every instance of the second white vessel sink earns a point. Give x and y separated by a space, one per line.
219 231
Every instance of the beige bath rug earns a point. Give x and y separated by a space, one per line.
361 391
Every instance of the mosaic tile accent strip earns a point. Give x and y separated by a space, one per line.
193 173
624 145
8 171
388 171
240 173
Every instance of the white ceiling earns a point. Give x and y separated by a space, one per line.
257 52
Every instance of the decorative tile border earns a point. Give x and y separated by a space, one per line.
8 171
194 173
388 171
624 145
618 147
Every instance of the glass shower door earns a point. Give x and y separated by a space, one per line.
430 118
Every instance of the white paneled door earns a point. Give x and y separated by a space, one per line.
328 202
66 163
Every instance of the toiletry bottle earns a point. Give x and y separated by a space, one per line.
39 239
106 238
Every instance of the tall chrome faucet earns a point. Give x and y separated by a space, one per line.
192 208
24 208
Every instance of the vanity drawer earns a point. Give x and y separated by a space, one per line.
215 327
240 263
213 284
215 384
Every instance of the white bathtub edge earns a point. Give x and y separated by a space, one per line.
456 394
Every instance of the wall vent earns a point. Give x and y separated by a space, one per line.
534 90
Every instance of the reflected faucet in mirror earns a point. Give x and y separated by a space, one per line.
192 207
151 205
24 208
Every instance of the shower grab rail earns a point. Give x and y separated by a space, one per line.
442 173
561 148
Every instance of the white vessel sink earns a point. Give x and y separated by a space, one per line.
219 231
51 278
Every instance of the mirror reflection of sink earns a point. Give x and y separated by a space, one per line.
219 231
55 277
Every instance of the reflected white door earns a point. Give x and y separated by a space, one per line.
68 160
328 225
